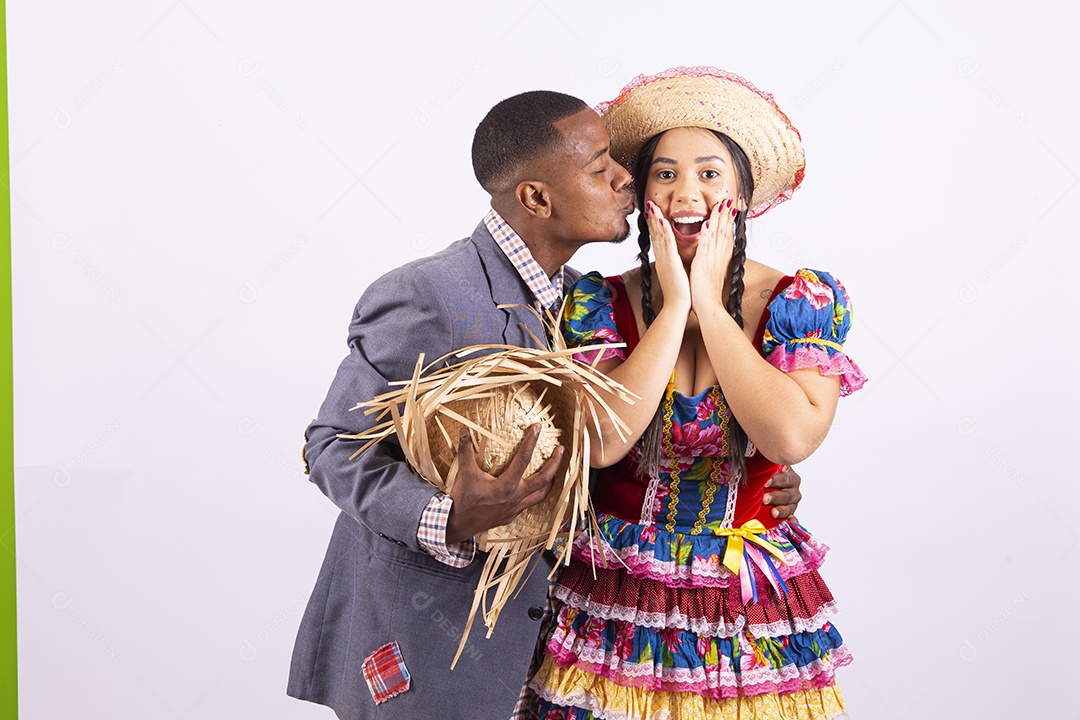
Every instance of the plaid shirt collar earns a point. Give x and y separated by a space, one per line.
547 291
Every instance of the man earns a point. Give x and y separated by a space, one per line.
397 583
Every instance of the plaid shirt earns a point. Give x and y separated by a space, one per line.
546 291
431 535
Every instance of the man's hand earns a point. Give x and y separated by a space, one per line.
483 501
785 496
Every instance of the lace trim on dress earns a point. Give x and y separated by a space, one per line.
598 670
808 356
647 509
712 684
697 625
697 560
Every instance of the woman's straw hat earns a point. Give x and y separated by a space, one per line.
707 97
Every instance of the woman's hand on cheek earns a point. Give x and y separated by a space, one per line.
713 258
669 268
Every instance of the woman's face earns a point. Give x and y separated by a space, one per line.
691 171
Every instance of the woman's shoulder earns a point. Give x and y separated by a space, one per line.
631 280
631 277
761 280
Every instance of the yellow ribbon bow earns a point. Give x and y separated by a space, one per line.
737 538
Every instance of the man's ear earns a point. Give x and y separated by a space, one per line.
534 197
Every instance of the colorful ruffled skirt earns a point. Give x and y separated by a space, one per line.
651 624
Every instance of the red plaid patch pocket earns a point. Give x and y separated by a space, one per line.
385 673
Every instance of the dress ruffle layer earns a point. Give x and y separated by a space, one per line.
691 561
672 637
674 660
571 694
611 594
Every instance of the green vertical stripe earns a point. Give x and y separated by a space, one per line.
9 678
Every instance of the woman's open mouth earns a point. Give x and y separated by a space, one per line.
687 227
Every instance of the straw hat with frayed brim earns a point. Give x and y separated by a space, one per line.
497 392
710 98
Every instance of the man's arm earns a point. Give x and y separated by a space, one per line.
400 316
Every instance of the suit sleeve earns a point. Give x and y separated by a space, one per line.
398 317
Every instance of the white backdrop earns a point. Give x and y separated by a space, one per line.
201 191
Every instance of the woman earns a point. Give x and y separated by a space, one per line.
694 602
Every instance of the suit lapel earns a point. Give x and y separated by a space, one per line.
507 288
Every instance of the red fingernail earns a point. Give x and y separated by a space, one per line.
734 212
706 224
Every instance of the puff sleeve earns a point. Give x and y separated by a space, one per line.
588 319
807 327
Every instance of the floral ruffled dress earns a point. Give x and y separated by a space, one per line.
694 603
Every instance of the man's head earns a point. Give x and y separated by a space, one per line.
517 131
543 156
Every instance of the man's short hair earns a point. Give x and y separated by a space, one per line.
516 131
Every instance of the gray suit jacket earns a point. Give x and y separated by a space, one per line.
376 584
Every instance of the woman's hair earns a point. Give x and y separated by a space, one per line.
649 460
